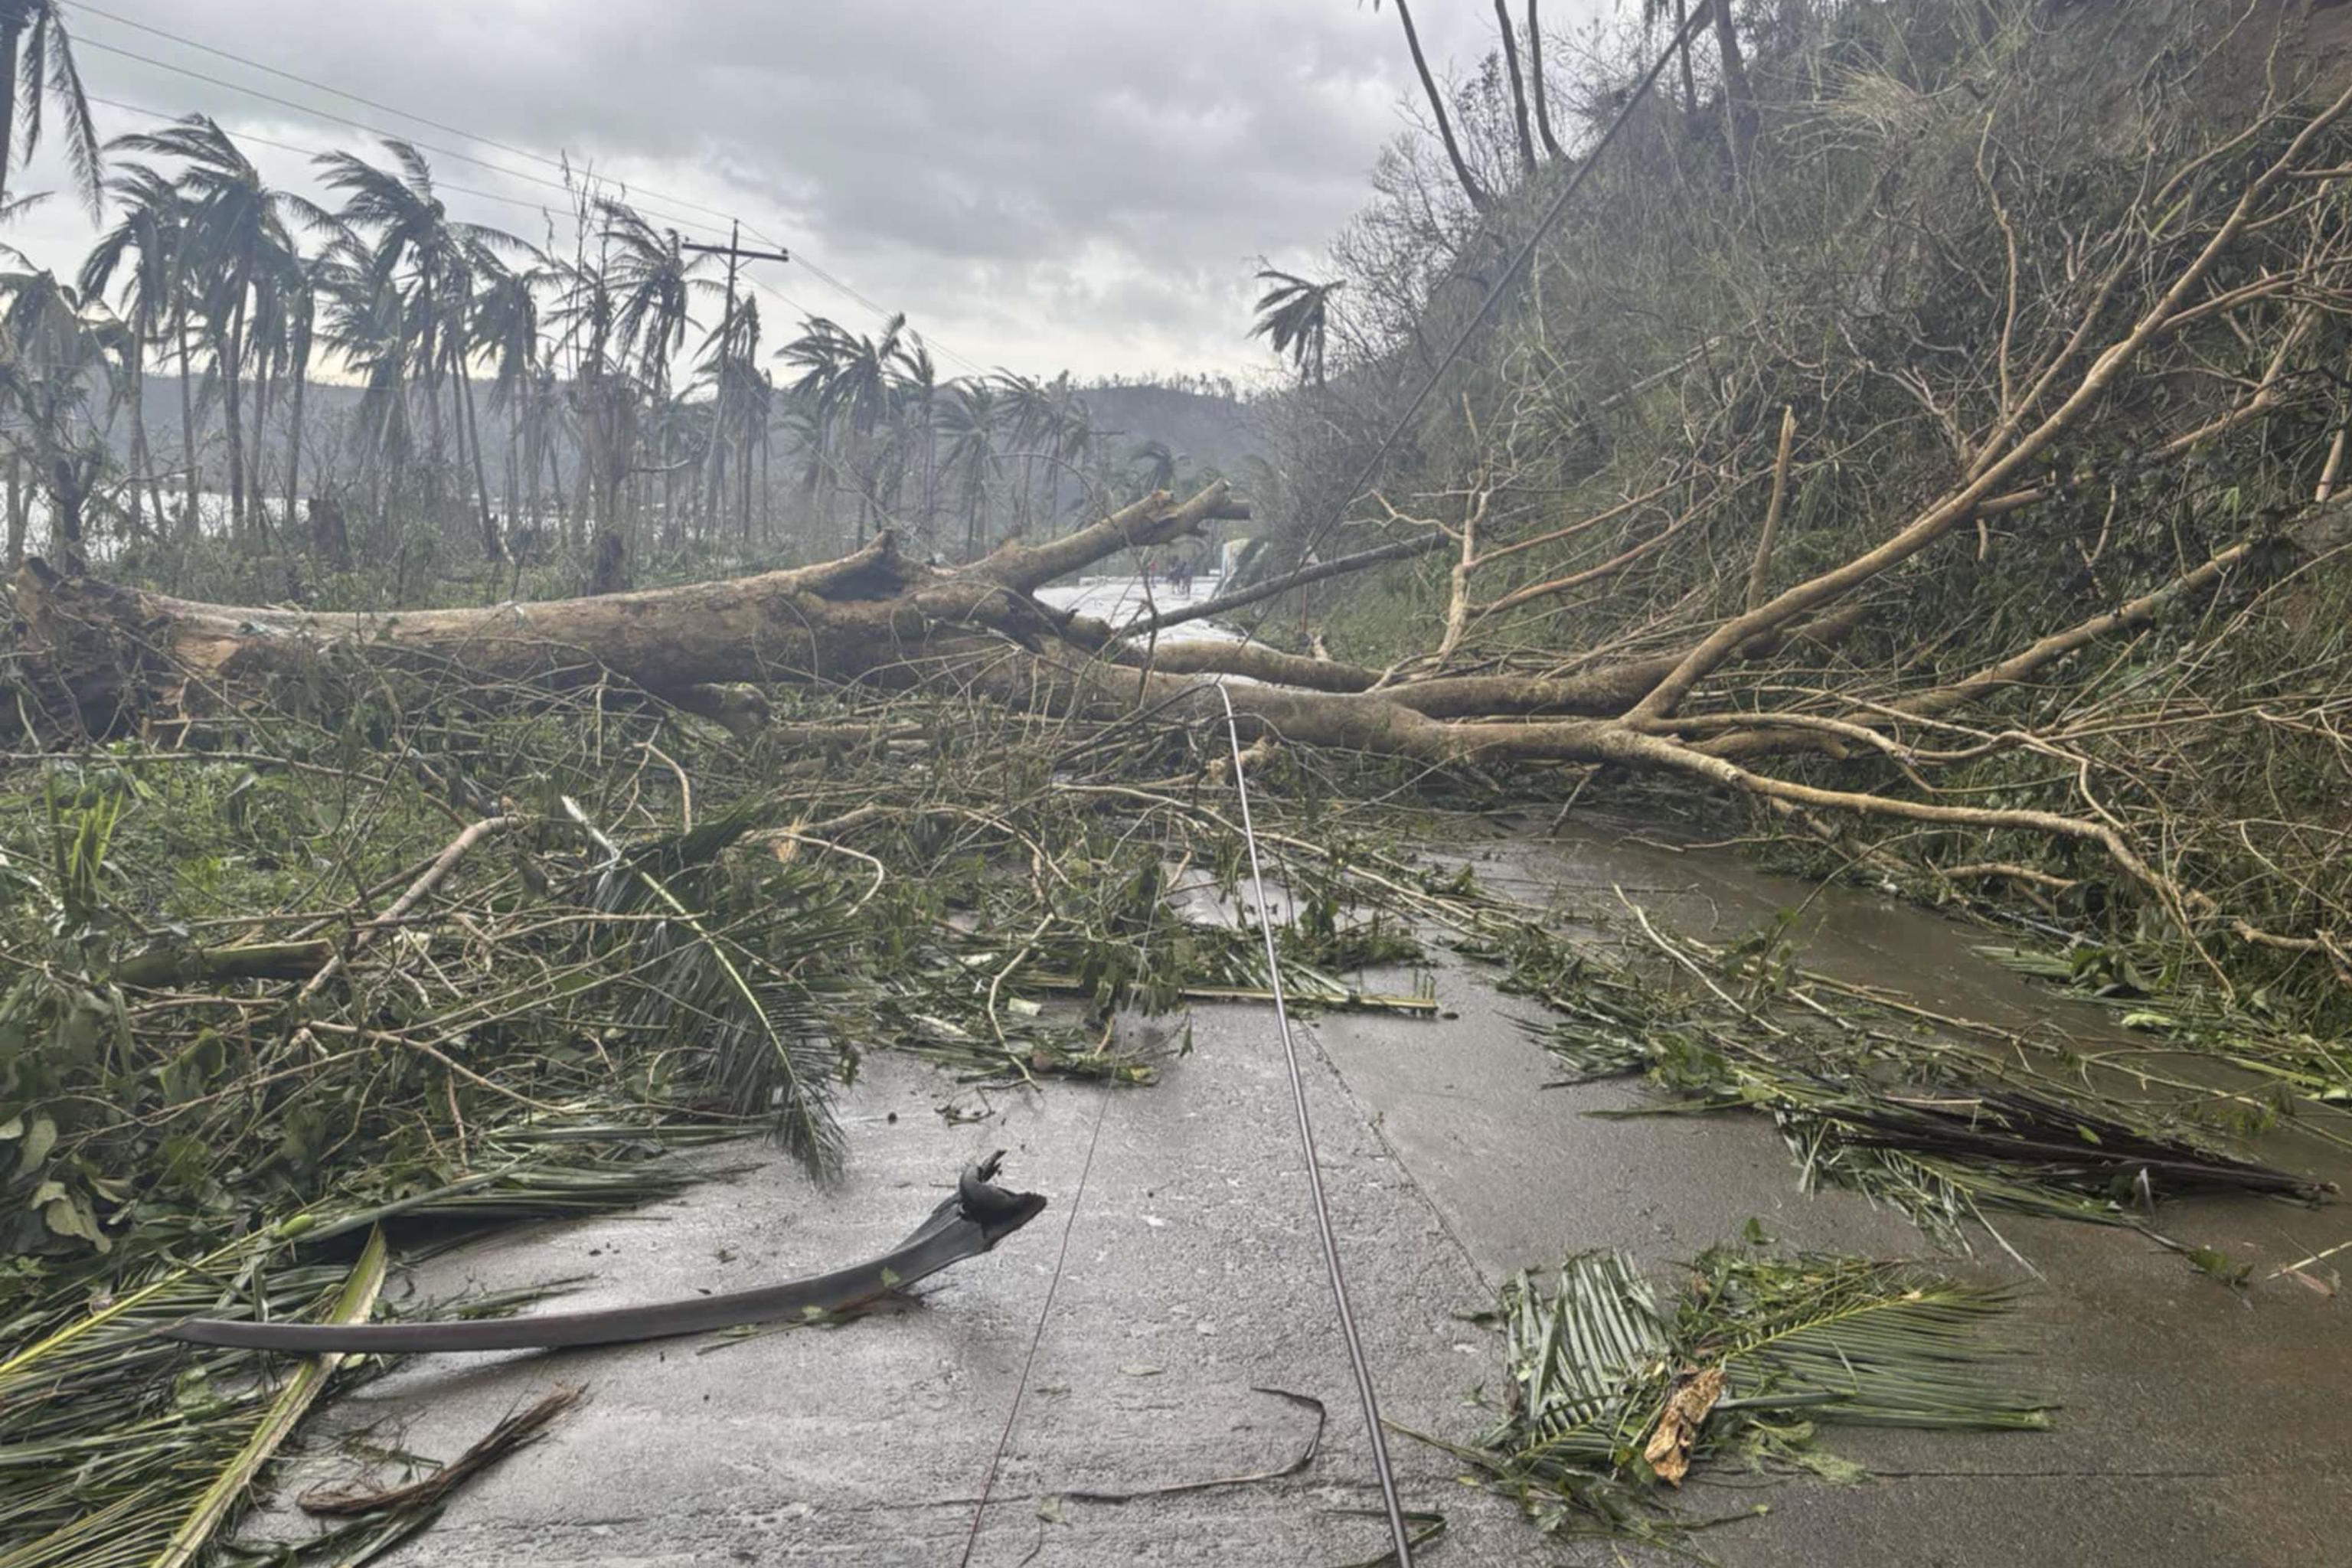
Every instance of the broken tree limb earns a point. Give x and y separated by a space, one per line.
973 1222
1760 567
1399 551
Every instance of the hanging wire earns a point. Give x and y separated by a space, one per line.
1364 1394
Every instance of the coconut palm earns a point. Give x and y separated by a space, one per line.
366 328
968 419
52 351
919 396
655 276
235 254
36 61
1031 413
505 328
143 246
1294 316
604 400
158 295
853 383
1155 463
438 259
741 400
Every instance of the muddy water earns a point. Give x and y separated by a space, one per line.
2199 1424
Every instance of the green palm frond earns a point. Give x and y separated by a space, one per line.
1592 1362
1295 317
738 994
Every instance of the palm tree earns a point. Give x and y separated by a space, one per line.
1471 187
505 327
728 365
147 239
1156 463
919 396
235 254
1029 408
853 383
1295 316
366 328
37 58
158 296
51 350
301 331
656 280
968 418
604 405
437 260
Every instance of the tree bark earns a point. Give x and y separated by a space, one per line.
12 33
1519 89
1536 84
1479 198
1738 97
192 523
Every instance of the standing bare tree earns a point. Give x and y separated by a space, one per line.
1480 198
1518 87
1535 83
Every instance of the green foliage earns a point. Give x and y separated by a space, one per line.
1591 1359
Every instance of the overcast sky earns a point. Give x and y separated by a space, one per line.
1037 183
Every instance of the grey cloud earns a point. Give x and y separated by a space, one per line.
1044 183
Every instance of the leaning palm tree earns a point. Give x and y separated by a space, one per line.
1294 316
143 246
969 416
855 385
36 61
236 253
1154 463
437 260
54 352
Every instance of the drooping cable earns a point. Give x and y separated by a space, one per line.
1020 1388
1364 1393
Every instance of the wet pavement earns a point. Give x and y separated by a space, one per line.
2199 1424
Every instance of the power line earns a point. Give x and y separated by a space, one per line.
1511 274
140 108
328 114
446 129
315 86
1399 1535
259 141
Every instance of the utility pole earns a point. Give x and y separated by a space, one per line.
736 256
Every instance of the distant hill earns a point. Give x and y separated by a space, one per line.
1213 430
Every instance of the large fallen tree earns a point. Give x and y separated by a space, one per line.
2237 242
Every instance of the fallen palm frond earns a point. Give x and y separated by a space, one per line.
1942 1131
1608 1394
515 1431
351 1304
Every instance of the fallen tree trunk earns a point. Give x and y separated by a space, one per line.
112 657
116 658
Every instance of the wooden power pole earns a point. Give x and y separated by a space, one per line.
736 256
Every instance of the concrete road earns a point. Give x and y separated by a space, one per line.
2199 1425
